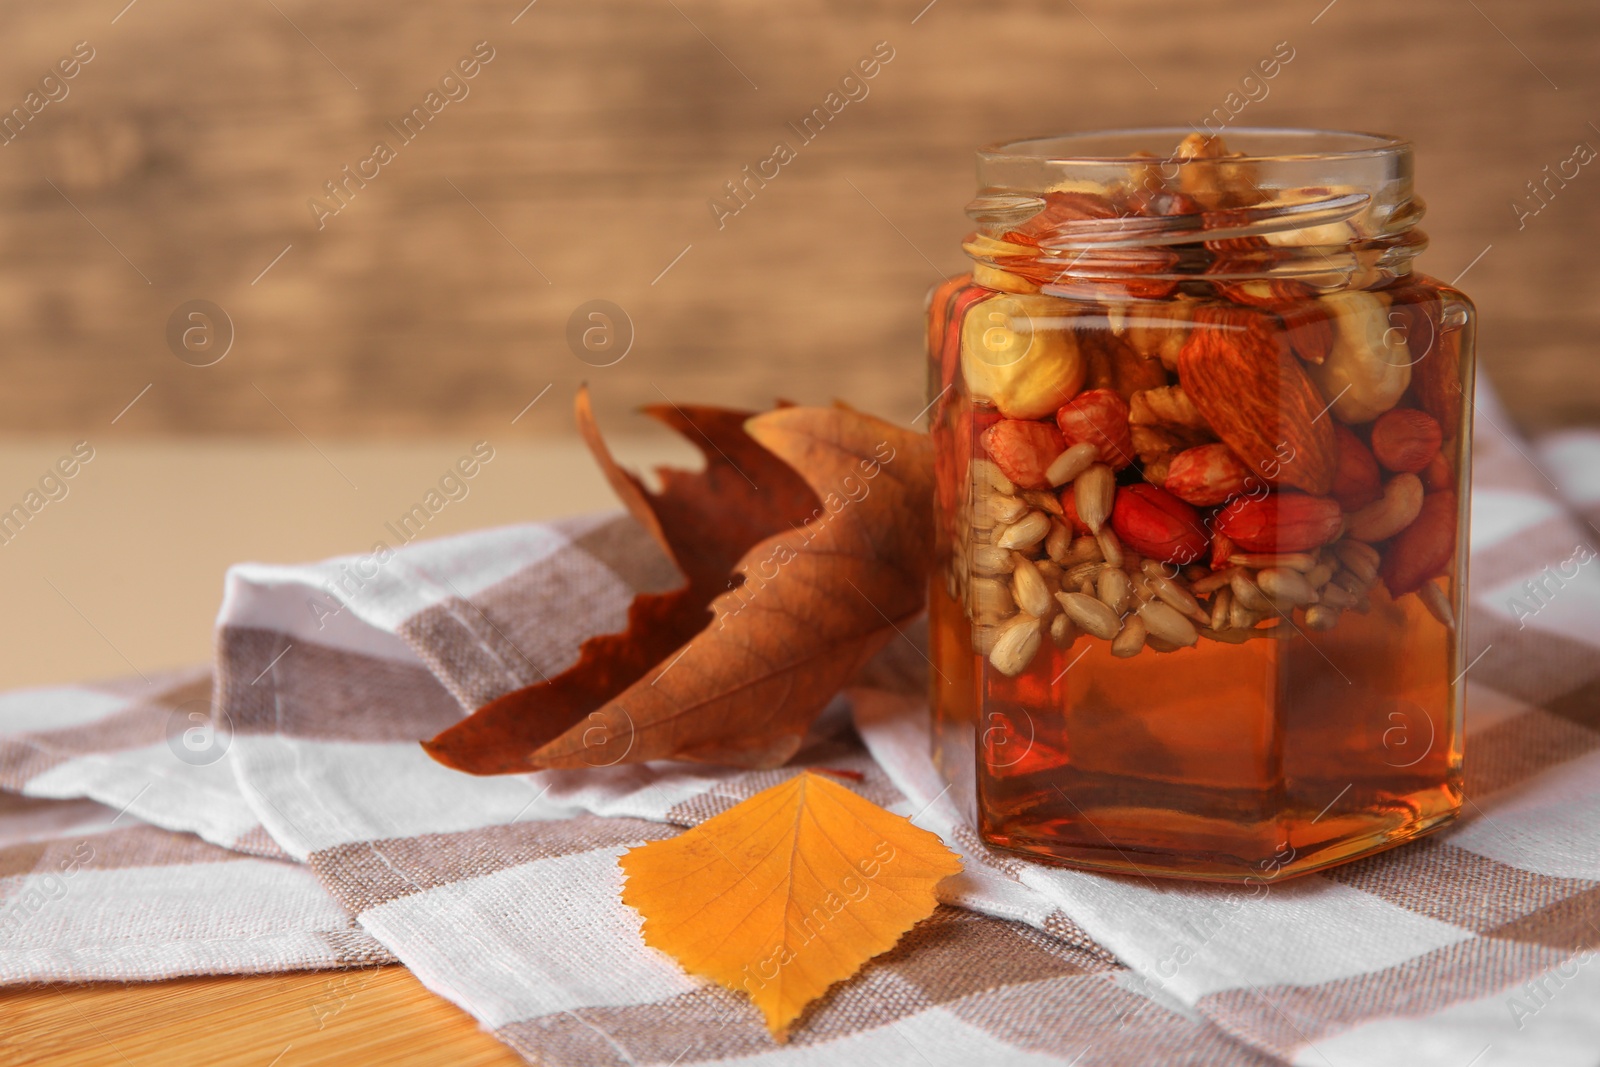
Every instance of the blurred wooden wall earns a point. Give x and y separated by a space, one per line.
180 163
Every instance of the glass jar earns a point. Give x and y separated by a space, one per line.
1201 437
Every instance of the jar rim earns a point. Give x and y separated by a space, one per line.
1250 141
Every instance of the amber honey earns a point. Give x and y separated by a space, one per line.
1223 762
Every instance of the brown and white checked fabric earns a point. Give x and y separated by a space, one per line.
91 893
502 893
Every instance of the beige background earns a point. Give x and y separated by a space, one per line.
581 164
124 575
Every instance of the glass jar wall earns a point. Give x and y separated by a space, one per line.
1202 444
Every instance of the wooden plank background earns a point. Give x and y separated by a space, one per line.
581 165
179 164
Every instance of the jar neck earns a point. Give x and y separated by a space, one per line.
1328 211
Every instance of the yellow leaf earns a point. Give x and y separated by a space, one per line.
786 893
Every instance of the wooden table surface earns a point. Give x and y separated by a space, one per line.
136 554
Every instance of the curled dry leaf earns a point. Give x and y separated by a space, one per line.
787 892
705 521
740 682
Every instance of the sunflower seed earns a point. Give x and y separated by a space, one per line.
991 561
1177 596
1438 604
1350 582
1247 594
991 600
1071 463
1075 576
1163 621
1090 614
1321 617
1058 542
1286 588
1337 596
1093 492
1029 590
1221 608
1114 590
1083 550
1005 509
1025 532
1295 561
1241 617
1045 502
1130 642
1213 581
985 472
1110 546
1361 559
1015 646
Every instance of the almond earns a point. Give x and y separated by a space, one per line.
1206 475
1268 293
1406 440
1423 549
1237 371
1023 450
1098 417
1058 209
1357 481
1280 522
1310 330
1157 524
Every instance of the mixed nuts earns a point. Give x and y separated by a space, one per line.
1195 452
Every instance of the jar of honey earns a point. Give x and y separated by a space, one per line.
1201 435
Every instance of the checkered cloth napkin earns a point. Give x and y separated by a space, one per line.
300 826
